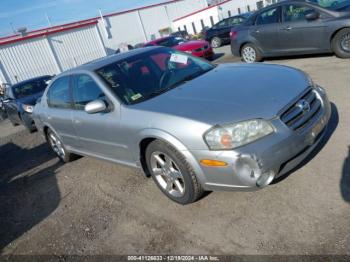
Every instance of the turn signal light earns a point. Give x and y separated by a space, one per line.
210 162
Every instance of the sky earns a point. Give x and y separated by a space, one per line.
32 13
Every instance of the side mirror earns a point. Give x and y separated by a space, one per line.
95 106
312 16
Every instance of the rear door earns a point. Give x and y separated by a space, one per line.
297 34
265 30
59 111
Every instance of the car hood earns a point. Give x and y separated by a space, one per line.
190 45
30 100
231 93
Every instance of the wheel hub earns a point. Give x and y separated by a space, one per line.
167 174
345 42
249 54
56 145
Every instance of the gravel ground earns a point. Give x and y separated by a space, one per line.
94 207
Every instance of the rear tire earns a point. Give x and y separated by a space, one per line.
216 42
341 43
171 172
58 147
250 54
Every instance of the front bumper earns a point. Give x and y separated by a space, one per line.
272 156
27 120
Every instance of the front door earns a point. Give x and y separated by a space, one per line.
100 133
299 35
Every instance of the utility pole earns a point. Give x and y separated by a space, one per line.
48 19
12 27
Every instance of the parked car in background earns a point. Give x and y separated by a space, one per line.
3 114
182 33
184 121
219 34
293 28
199 48
20 100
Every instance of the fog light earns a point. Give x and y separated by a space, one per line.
247 169
265 179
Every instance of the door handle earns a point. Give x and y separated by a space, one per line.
287 28
257 31
49 117
77 121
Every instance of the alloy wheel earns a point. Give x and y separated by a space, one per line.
345 42
56 145
249 54
167 174
215 42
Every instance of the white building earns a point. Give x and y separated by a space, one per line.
55 49
58 48
194 22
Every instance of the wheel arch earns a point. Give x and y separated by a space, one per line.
149 135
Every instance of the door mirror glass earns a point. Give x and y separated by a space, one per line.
312 16
96 106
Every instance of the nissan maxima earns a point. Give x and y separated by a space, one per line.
191 125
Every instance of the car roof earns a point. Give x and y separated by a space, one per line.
101 62
31 80
159 39
284 2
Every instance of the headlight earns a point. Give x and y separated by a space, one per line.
310 81
238 134
320 90
28 108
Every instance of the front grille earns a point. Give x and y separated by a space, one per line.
303 111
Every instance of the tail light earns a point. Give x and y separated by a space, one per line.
233 35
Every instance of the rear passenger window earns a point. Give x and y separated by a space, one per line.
85 90
58 94
268 17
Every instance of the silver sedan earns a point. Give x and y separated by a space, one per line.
191 125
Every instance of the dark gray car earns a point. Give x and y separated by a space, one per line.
293 28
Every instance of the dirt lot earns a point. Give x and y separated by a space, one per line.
93 207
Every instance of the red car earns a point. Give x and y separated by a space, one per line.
198 48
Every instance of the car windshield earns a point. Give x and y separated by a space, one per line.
331 4
29 88
141 77
171 41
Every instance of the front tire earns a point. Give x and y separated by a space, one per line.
250 54
216 42
58 148
341 43
172 173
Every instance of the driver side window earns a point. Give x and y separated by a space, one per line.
268 17
85 90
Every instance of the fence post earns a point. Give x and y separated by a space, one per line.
54 55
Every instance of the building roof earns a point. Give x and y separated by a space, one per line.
201 10
64 27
